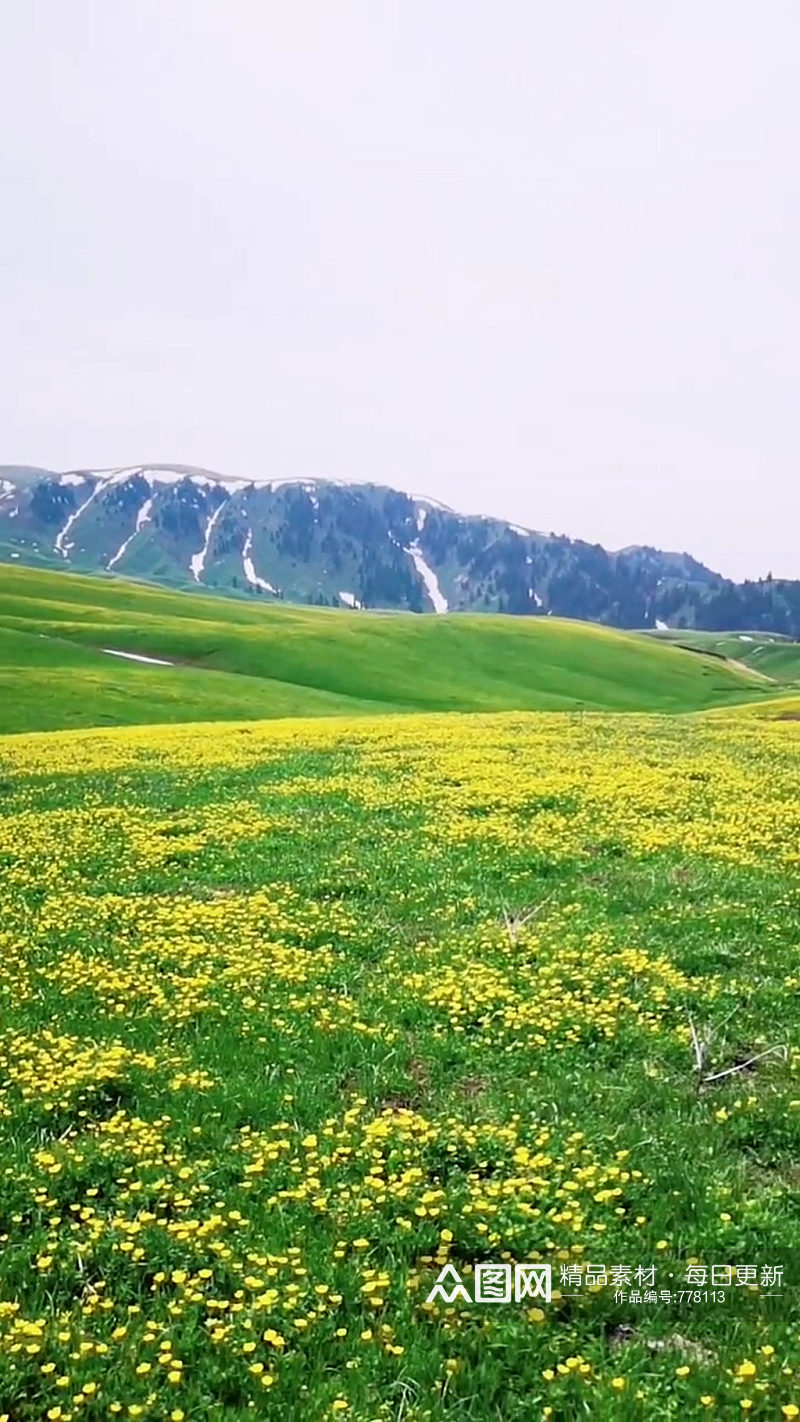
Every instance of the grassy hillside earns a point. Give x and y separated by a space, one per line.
783 707
297 1014
47 683
234 659
768 653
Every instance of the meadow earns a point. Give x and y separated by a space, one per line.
297 1013
236 658
767 654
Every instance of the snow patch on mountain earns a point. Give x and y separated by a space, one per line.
429 578
349 599
115 475
197 562
212 481
60 545
142 517
158 474
429 503
249 569
307 485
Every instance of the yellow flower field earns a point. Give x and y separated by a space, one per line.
297 1014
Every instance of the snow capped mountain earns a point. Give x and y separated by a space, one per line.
296 538
355 546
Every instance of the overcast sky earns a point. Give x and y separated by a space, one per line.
535 259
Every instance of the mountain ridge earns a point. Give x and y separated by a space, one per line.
359 545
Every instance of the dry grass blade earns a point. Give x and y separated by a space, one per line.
701 1045
515 922
780 1050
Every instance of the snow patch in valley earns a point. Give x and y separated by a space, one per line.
429 578
743 637
142 517
197 561
350 599
137 657
249 570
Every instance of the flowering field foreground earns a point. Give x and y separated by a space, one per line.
294 1015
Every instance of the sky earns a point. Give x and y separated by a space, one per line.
535 260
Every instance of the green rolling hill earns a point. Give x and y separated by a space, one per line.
767 653
234 659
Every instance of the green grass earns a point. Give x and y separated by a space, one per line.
293 1014
240 659
48 683
768 653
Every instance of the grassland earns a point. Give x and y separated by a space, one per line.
237 659
766 653
296 1013
49 683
